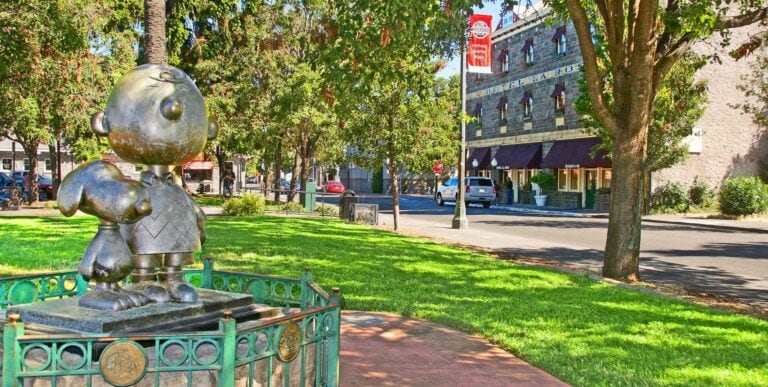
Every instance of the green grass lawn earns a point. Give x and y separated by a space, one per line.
583 332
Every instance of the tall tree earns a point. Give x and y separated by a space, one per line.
644 39
42 73
400 125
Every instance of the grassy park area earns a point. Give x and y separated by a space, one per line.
581 331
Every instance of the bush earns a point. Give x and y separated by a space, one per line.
246 205
743 196
700 195
670 197
545 180
326 210
293 207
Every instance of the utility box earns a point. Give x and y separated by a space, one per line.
310 196
346 206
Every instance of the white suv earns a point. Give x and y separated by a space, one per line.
476 190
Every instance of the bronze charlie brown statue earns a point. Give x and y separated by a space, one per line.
156 118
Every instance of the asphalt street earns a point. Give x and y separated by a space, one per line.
723 262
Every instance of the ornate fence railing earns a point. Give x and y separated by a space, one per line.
300 347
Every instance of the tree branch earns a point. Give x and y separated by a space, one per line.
591 71
755 16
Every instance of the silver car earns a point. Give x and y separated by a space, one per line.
477 190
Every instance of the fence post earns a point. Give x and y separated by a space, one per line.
82 284
334 341
207 273
228 327
11 332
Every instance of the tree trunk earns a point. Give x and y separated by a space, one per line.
647 192
31 179
294 177
154 32
55 162
394 181
305 168
278 161
622 249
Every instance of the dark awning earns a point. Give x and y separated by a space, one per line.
483 157
519 156
528 44
559 31
502 103
575 154
559 88
526 96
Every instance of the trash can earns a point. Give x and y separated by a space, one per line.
309 197
347 204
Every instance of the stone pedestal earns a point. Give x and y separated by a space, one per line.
67 315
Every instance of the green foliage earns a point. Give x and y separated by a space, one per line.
246 205
679 104
293 207
545 180
743 196
583 332
377 182
671 197
700 194
327 210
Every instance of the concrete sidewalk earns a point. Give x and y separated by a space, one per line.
381 349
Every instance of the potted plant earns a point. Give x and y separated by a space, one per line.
542 181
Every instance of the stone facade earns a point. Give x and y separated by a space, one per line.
540 78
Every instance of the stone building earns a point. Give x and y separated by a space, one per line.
525 121
524 118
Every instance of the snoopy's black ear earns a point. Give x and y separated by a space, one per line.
71 192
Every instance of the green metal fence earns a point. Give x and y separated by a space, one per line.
247 354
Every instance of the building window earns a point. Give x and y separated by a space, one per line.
560 40
558 96
48 166
137 168
26 164
504 61
502 106
478 114
527 103
6 165
605 181
573 183
528 52
562 179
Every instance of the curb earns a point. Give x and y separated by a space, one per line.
710 226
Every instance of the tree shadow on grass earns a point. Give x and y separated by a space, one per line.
579 330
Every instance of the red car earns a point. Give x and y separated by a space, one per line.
334 187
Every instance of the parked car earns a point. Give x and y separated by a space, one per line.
44 185
477 190
335 187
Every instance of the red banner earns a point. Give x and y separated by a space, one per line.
479 55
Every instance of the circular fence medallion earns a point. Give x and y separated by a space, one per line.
23 292
289 342
123 363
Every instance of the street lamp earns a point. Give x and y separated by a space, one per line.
494 163
474 165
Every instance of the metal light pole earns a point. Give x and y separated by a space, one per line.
460 216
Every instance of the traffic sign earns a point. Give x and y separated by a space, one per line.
437 166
